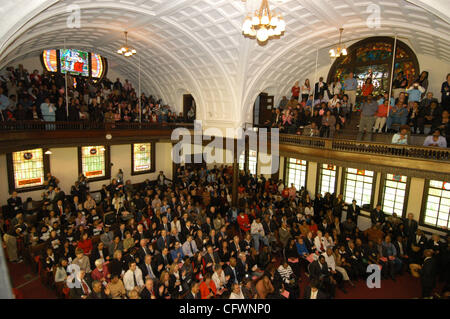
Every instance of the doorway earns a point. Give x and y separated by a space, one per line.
262 109
188 104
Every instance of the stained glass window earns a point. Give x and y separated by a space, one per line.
394 194
372 57
437 206
93 162
28 168
50 60
296 172
142 157
358 185
327 178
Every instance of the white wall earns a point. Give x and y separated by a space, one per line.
64 165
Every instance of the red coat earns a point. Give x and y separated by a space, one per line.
243 222
204 289
86 245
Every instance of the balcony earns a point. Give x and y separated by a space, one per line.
29 134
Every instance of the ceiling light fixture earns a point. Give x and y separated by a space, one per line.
340 50
126 50
263 24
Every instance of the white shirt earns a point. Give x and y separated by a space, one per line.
257 228
330 261
236 296
128 279
219 281
318 241
309 211
314 294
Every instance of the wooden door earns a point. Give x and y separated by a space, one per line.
266 103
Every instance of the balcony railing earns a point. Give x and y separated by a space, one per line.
85 125
406 151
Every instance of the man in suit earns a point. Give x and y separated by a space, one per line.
163 241
211 258
80 288
410 227
377 215
148 292
98 291
189 246
162 261
353 211
312 291
15 204
194 293
231 273
417 247
428 274
165 225
318 270
148 267
143 249
140 234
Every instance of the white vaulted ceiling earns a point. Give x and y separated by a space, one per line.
197 45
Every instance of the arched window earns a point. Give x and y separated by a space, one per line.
372 57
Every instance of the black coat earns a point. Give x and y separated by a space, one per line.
320 294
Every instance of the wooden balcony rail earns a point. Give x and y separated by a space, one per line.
85 125
406 151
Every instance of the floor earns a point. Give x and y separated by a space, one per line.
28 285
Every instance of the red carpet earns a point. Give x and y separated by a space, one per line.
27 282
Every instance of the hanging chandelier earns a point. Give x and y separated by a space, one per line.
340 50
126 50
263 24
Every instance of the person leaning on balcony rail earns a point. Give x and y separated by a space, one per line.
401 138
435 139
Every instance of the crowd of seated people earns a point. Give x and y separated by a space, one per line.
42 97
182 238
326 108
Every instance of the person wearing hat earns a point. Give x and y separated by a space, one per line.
401 138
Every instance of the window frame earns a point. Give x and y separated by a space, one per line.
319 177
107 163
285 171
152 168
246 154
374 186
11 177
423 209
382 192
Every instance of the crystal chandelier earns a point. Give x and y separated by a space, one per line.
263 24
340 50
126 50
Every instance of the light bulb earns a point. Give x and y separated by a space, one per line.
247 25
277 31
262 34
119 51
252 32
271 32
265 19
282 24
274 21
255 20
332 53
344 51
133 51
